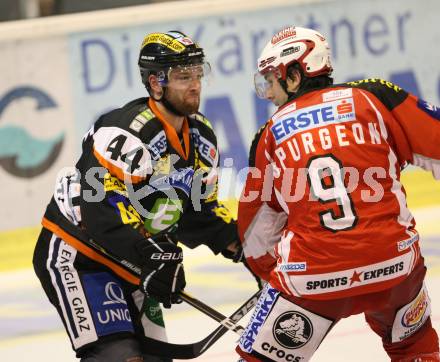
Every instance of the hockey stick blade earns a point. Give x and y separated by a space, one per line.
193 350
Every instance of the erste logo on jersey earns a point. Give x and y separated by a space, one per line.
337 111
158 145
205 148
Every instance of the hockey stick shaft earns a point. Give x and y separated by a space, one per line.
217 316
197 304
69 232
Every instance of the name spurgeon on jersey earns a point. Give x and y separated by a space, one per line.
296 130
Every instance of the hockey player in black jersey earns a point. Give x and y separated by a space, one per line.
145 168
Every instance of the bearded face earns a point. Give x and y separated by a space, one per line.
184 86
186 101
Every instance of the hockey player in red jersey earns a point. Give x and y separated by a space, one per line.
323 216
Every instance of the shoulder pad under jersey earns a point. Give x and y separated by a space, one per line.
150 133
390 94
141 119
201 118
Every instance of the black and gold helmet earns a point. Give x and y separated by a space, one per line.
163 51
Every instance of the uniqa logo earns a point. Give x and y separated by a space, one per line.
292 330
21 154
114 315
114 294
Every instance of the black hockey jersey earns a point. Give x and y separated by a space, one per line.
137 177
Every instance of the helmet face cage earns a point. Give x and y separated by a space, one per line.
294 45
163 54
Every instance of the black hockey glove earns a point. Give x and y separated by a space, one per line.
162 275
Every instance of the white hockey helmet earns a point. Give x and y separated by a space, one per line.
306 47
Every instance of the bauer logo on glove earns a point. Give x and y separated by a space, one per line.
162 277
167 256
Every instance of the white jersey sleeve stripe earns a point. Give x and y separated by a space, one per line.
383 128
283 250
264 232
405 217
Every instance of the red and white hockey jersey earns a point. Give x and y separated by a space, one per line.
323 214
